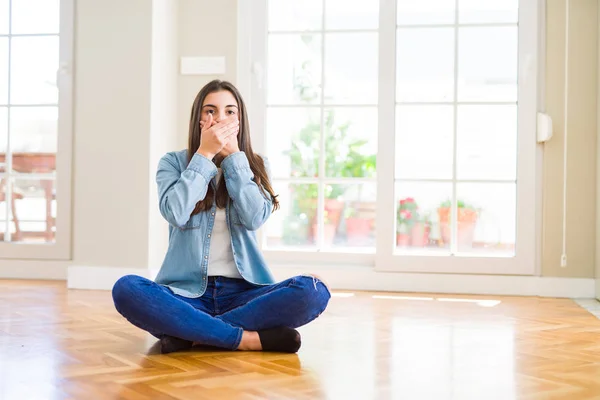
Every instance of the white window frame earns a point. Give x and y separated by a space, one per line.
60 249
252 47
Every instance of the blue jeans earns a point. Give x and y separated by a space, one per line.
227 308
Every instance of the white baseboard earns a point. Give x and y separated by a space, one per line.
33 269
99 278
362 278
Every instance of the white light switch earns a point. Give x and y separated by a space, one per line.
202 65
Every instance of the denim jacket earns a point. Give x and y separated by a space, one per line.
180 187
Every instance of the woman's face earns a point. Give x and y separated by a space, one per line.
219 105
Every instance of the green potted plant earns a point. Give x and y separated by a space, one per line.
344 157
467 216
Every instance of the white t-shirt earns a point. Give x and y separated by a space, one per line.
220 259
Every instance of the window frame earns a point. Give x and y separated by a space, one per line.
252 48
60 249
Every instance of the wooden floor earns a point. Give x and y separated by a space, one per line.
67 344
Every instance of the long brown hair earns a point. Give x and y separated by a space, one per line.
257 164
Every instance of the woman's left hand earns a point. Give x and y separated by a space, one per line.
231 146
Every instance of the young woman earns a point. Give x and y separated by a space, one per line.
214 287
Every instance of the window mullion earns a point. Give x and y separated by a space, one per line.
386 141
8 154
454 203
322 153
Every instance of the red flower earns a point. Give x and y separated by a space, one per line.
410 200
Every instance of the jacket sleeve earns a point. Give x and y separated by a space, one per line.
252 205
178 192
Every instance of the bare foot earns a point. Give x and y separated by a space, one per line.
250 341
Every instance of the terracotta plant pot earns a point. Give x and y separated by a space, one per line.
328 234
419 235
402 239
334 210
467 220
358 230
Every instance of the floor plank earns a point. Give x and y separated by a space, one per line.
68 344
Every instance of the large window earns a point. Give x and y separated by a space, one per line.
405 129
321 120
35 150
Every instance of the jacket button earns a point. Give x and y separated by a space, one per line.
209 235
205 257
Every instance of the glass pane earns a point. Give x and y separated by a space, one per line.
487 142
488 11
34 210
35 16
424 142
285 15
487 64
351 14
295 223
4 70
3 18
349 78
33 138
294 72
425 64
293 141
350 215
34 64
2 204
418 215
350 142
3 136
487 217
411 12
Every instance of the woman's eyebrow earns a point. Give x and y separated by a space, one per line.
213 106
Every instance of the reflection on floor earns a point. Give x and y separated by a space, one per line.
58 343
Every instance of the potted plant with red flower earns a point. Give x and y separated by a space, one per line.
412 229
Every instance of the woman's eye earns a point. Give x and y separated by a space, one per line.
210 111
231 112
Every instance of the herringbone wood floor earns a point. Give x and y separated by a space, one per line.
66 344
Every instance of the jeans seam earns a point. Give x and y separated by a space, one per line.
238 339
255 299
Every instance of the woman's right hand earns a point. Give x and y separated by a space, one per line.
216 134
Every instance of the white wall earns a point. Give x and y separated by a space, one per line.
206 28
598 169
111 130
581 146
127 68
163 116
